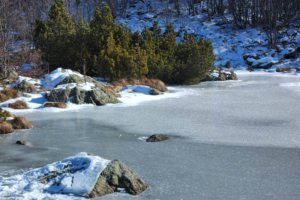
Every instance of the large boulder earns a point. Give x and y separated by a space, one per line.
117 175
84 175
80 96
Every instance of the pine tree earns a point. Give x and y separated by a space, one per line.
56 36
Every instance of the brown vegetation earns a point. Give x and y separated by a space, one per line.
8 93
18 105
111 89
5 127
287 69
153 83
20 123
117 95
55 104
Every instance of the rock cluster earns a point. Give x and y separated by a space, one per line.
78 94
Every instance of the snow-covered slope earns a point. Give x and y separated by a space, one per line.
229 42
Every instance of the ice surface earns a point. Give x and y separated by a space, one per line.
230 140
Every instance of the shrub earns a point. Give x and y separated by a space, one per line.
4 114
20 123
18 105
55 104
5 127
153 83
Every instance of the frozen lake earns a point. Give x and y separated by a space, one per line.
231 140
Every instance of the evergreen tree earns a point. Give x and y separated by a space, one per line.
55 37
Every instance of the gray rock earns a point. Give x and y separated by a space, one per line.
21 94
79 96
25 86
73 78
209 77
21 142
117 175
154 91
222 77
158 138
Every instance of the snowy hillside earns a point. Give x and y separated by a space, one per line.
242 47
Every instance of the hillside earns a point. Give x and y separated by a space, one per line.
242 47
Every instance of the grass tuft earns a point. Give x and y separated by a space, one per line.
153 83
20 123
18 105
55 104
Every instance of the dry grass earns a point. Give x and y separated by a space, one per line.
55 104
111 89
153 83
18 105
32 88
8 93
287 69
117 95
20 123
5 127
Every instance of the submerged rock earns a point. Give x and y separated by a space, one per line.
158 138
21 142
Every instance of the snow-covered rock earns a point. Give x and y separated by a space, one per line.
82 174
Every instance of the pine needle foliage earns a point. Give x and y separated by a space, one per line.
112 50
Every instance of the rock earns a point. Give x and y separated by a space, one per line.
12 74
262 65
209 77
298 49
117 175
21 142
21 94
256 57
80 96
73 78
222 77
231 76
228 65
291 55
25 86
158 138
154 91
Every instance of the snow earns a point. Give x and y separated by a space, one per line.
263 61
56 76
230 43
79 183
